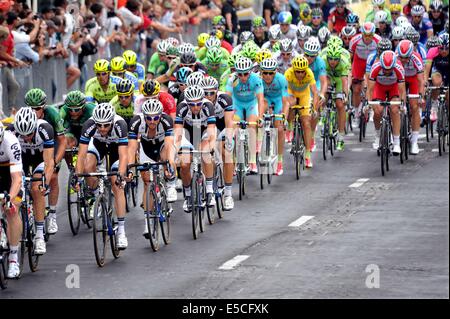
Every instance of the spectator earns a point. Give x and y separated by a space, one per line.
229 12
270 11
131 14
25 34
48 12
411 3
336 18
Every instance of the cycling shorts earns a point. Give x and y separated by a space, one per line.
100 150
358 69
249 109
276 104
412 84
304 100
381 91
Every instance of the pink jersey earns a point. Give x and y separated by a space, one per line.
432 53
361 50
414 65
377 74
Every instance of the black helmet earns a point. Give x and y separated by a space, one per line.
384 45
188 58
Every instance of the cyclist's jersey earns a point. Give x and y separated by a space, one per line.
42 139
439 23
387 33
117 135
359 49
175 91
438 62
139 72
205 117
260 42
218 72
291 34
299 88
297 47
224 79
423 28
341 70
377 75
371 60
345 53
175 66
277 89
338 20
201 53
138 128
269 47
244 92
126 112
156 66
167 100
74 126
319 69
370 17
283 64
223 104
422 50
130 76
95 93
315 29
11 153
51 115
413 66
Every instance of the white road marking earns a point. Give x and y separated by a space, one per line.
232 263
300 221
359 182
358 149
278 264
435 150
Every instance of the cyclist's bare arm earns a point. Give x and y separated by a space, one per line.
123 159
370 87
16 184
132 149
49 163
82 153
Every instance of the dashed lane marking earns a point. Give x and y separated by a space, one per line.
232 263
300 221
359 182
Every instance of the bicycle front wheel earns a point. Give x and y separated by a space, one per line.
73 207
164 220
100 230
33 259
3 271
151 218
195 210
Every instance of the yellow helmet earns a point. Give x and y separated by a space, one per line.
150 88
395 7
263 54
219 34
101 65
118 64
201 39
300 63
130 57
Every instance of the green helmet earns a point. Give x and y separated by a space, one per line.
214 55
335 41
232 59
218 20
75 99
172 51
35 97
334 52
249 50
276 47
258 22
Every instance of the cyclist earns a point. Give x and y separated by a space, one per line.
231 61
336 19
317 21
352 20
11 182
244 38
259 30
132 66
101 88
414 36
285 56
360 47
378 5
151 89
223 107
396 11
323 35
387 80
337 68
335 41
36 141
383 28
154 130
215 63
118 69
177 88
219 23
274 35
398 34
275 99
288 30
437 16
159 61
303 34
301 83
346 35
247 91
106 134
201 40
383 45
212 42
37 100
187 59
415 84
421 24
123 102
196 109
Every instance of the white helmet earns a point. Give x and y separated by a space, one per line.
209 83
312 46
303 32
2 133
25 121
348 31
243 64
323 34
163 46
195 78
401 20
274 32
212 42
185 48
103 113
269 64
380 16
152 106
397 33
286 45
173 41
194 93
246 36
417 10
378 2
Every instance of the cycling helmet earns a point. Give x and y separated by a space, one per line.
182 74
312 46
209 83
246 36
417 10
185 48
352 19
25 121
232 59
35 98
299 63
334 52
173 41
218 21
188 58
348 31
284 17
172 51
103 113
401 21
286 45
315 12
201 39
150 107
258 22
243 64
305 12
151 87
436 5
395 7
212 42
432 42
413 36
388 59
341 2
130 57
323 34
195 78
249 51
262 54
2 133
384 45
378 2
268 64
405 49
214 55
194 93
75 99
397 33
335 40
380 17
163 46
368 28
303 32
125 87
274 33
118 64
444 39
101 65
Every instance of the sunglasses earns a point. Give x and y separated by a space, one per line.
171 57
182 84
443 48
103 125
152 118
340 6
333 59
187 65
286 53
124 97
192 104
38 108
75 109
316 17
243 74
268 73
28 135
214 65
210 93
300 72
395 13
118 73
309 55
101 73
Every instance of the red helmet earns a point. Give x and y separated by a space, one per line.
368 28
388 60
405 49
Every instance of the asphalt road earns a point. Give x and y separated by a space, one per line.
384 237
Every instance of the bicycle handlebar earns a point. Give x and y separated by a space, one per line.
148 165
196 152
384 103
414 96
72 150
97 174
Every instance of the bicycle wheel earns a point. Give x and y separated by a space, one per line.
261 178
202 205
3 270
218 189
100 230
240 177
195 210
388 148
128 198
164 219
113 226
151 218
296 151
362 126
325 140
73 207
384 144
134 188
403 137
